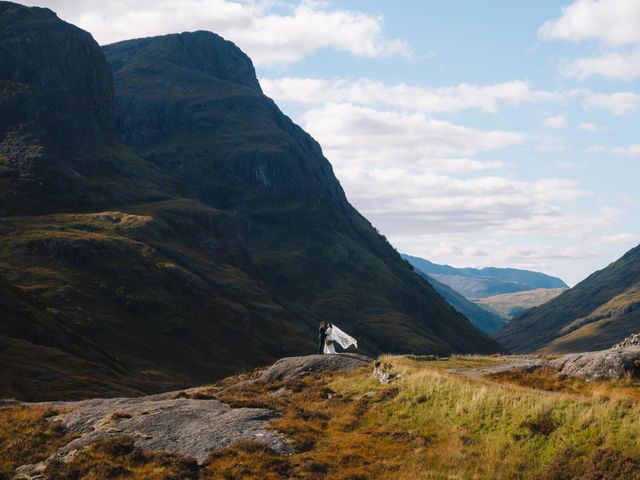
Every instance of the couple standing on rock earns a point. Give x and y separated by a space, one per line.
329 335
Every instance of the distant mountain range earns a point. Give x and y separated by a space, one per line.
485 282
164 223
595 314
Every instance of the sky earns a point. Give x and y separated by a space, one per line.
493 133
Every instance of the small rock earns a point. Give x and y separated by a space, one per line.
382 371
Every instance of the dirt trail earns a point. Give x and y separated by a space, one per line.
512 362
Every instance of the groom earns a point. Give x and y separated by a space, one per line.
322 335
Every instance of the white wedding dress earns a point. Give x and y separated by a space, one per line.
335 335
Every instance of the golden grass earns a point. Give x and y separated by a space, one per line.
429 424
117 458
27 436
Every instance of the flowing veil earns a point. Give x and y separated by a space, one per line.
342 339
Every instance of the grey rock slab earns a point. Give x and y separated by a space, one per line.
193 428
296 367
611 364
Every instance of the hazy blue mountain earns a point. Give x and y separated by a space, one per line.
485 282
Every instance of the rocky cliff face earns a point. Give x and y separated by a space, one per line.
190 103
191 232
54 77
58 148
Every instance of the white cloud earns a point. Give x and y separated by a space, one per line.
569 165
411 174
558 121
365 136
592 127
269 36
628 151
366 92
613 22
411 203
596 149
617 103
624 238
547 142
615 65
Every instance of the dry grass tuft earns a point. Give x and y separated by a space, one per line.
28 436
118 458
548 379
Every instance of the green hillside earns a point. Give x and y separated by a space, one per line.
510 305
593 315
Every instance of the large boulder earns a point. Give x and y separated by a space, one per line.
602 365
296 367
192 428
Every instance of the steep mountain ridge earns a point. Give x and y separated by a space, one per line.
485 282
482 319
598 312
212 240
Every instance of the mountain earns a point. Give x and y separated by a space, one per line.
510 305
598 312
58 147
164 224
485 282
481 318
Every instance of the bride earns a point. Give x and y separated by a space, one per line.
335 335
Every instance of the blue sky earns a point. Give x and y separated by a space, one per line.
493 133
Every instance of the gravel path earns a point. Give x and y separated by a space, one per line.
512 362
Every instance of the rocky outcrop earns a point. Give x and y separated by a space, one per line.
632 341
383 372
602 365
296 367
184 422
192 428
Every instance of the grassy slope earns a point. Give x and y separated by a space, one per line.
428 424
509 305
594 314
167 277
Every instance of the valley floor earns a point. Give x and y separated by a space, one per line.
435 421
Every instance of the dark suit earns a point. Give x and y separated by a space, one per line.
322 334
